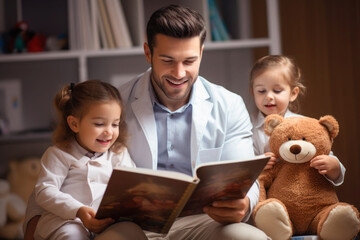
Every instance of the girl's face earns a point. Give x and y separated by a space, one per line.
98 129
272 92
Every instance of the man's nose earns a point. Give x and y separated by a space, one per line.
179 71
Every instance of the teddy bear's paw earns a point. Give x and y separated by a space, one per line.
273 219
341 224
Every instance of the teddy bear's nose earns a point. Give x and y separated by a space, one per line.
295 149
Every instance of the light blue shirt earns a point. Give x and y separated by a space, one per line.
174 136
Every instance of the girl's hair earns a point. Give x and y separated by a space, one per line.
75 99
291 73
177 22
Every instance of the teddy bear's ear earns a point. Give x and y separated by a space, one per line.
271 122
331 125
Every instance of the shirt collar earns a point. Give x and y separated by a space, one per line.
259 120
86 153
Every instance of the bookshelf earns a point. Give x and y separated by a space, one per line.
42 74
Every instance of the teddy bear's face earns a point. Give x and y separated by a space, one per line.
299 139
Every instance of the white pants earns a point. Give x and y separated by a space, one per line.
198 227
68 231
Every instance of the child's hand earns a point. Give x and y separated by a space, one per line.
326 165
87 216
271 161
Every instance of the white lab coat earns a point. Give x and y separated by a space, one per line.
221 126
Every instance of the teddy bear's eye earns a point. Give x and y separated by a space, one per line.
303 138
289 138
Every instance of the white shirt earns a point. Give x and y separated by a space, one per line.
70 180
220 126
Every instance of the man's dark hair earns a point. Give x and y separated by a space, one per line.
175 21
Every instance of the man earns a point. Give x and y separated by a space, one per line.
177 120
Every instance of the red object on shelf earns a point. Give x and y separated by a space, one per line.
36 43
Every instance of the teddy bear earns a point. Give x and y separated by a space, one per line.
14 194
295 199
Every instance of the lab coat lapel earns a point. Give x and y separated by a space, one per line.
143 111
201 114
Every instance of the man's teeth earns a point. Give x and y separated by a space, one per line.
176 83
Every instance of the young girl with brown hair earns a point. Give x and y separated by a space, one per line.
89 141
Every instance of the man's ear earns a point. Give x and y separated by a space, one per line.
147 52
73 123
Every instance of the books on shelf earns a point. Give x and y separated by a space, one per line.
118 23
95 24
153 199
218 28
104 18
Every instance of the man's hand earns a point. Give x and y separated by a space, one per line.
228 211
327 165
87 216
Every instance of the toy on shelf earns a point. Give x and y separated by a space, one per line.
21 39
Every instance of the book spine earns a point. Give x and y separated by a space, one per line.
217 24
177 210
106 23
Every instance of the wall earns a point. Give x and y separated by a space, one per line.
324 36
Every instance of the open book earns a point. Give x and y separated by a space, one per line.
153 199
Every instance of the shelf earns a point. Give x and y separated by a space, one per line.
74 54
235 44
225 63
29 136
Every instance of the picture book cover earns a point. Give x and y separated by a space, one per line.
153 199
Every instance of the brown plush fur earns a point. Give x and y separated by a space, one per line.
307 196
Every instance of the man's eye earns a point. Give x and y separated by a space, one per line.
189 62
167 61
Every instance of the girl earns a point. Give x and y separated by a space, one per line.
89 142
276 83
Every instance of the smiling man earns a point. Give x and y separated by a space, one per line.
177 120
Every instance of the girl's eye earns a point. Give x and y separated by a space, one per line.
98 124
261 91
115 125
277 91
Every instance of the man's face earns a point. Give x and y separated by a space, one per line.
175 67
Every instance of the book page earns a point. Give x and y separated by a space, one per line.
223 180
160 173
